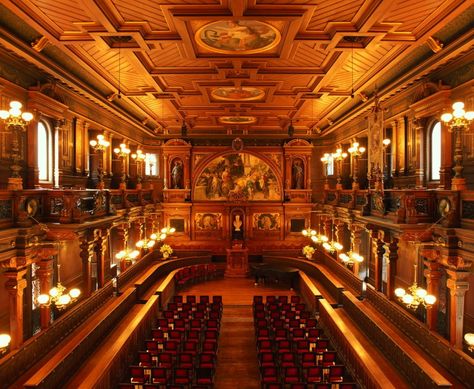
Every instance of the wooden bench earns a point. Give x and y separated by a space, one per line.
418 371
55 371
309 291
104 368
362 363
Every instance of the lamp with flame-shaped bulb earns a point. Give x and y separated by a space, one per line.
326 160
139 158
100 145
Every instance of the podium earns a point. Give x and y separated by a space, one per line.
237 262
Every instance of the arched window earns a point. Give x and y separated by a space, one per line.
435 152
44 144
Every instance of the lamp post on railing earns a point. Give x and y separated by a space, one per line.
100 145
458 121
16 121
385 167
356 152
325 160
339 158
122 153
139 158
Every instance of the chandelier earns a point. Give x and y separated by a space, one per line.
14 116
58 295
123 151
99 144
4 342
459 118
416 295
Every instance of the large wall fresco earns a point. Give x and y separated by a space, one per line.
237 177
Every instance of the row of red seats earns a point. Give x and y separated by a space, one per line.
197 273
181 352
295 354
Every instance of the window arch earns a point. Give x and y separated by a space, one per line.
435 151
45 153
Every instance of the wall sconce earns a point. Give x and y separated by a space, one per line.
14 117
356 152
58 295
458 121
5 340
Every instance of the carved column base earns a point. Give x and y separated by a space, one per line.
458 184
15 183
355 186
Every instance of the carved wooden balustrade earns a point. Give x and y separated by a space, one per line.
17 208
406 206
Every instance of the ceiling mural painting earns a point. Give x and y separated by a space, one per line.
237 177
238 94
238 37
237 119
197 61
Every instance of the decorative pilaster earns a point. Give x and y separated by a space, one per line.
15 285
458 288
100 250
356 240
339 230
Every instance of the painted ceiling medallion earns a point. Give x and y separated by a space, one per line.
238 37
237 119
241 94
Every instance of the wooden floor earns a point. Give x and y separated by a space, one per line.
237 365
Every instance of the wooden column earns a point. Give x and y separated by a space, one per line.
446 168
327 227
458 288
166 178
45 272
379 253
395 146
401 148
15 285
432 275
339 231
87 251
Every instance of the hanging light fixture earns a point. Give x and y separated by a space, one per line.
416 295
14 117
58 295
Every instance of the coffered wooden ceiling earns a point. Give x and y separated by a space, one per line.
240 67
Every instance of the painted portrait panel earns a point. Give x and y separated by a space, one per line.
266 221
238 37
208 221
237 177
